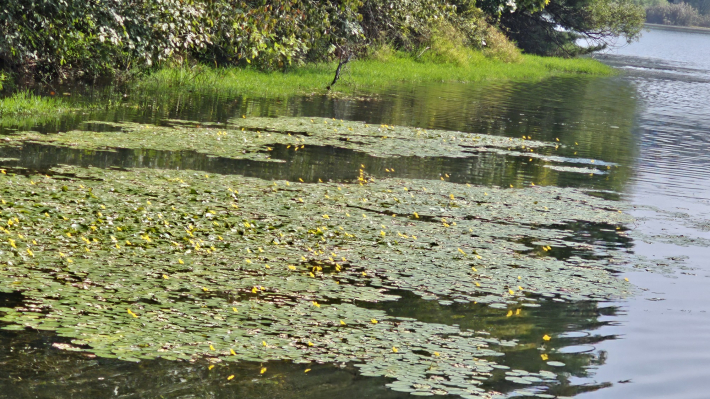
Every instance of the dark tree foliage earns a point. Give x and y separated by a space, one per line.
560 26
703 6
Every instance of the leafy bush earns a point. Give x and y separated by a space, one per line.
275 34
69 38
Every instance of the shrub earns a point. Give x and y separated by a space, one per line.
275 34
63 39
498 46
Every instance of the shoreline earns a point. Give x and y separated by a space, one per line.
367 76
678 28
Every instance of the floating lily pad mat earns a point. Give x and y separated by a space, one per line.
139 264
251 138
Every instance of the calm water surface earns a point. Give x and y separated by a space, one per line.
649 126
662 347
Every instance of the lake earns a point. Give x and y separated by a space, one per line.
638 139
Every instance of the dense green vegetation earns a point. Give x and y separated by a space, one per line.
62 40
680 13
283 47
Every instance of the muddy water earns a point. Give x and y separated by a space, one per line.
650 124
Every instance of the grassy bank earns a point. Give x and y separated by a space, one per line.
24 103
25 109
365 75
375 74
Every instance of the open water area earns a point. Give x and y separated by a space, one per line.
639 139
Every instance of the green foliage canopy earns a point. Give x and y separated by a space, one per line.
58 38
558 27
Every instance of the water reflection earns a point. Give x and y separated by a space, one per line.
313 163
576 326
595 113
36 367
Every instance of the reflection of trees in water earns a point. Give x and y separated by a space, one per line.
595 112
34 367
319 162
578 320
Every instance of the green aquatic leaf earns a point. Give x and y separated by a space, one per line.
142 263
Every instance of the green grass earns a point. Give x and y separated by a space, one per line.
24 109
364 75
25 103
380 71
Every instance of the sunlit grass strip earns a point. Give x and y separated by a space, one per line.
370 76
24 103
25 110
365 75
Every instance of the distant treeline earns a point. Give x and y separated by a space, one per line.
689 13
43 40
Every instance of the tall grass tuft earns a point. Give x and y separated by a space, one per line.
25 103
